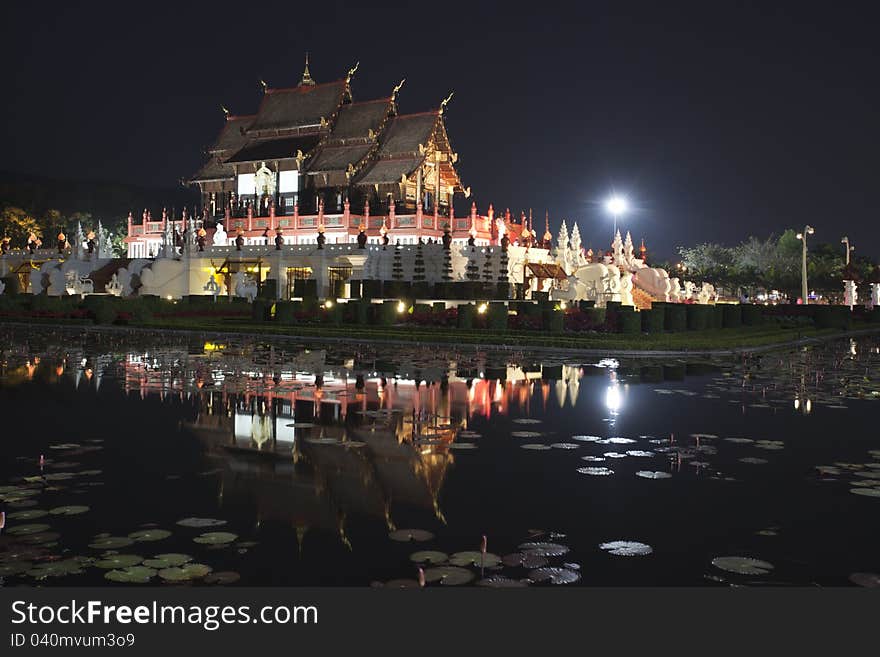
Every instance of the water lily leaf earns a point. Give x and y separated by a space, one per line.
111 543
639 452
649 474
501 582
186 572
596 472
866 492
201 522
23 530
167 560
593 459
131 575
119 561
404 535
525 434
429 557
587 439
10 568
147 535
544 549
869 580
753 460
222 578
29 514
564 445
627 548
449 575
73 510
41 538
535 446
742 565
215 538
554 575
475 558
58 568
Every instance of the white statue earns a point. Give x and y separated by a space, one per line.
675 290
875 295
245 286
689 289
850 294
220 236
626 287
2 286
114 287
707 294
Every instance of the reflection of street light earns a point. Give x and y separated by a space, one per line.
808 230
616 206
845 240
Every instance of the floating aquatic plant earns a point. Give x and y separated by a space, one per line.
501 582
149 535
167 560
544 549
475 558
201 522
742 565
404 535
653 474
186 572
449 575
596 471
429 557
111 542
535 446
131 575
554 575
627 548
215 538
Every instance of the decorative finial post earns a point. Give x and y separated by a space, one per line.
307 76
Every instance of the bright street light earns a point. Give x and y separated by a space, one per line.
616 206
808 230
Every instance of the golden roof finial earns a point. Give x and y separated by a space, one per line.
397 89
264 84
351 72
446 101
225 111
307 77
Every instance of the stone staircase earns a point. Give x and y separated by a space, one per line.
100 277
641 299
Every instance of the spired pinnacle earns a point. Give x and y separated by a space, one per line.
307 77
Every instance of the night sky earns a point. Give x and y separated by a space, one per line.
717 120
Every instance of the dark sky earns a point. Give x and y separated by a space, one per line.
717 120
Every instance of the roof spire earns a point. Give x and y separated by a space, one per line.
307 77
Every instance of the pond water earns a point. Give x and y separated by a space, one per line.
209 459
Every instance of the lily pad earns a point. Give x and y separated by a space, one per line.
535 446
475 558
449 575
866 492
167 560
60 568
149 535
742 565
429 557
119 561
215 538
652 474
29 514
23 530
554 575
627 548
73 510
131 575
185 572
111 543
222 578
502 582
11 568
596 472
544 549
404 535
201 522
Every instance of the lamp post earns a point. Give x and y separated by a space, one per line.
616 206
849 249
808 230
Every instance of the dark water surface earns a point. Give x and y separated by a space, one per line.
303 463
